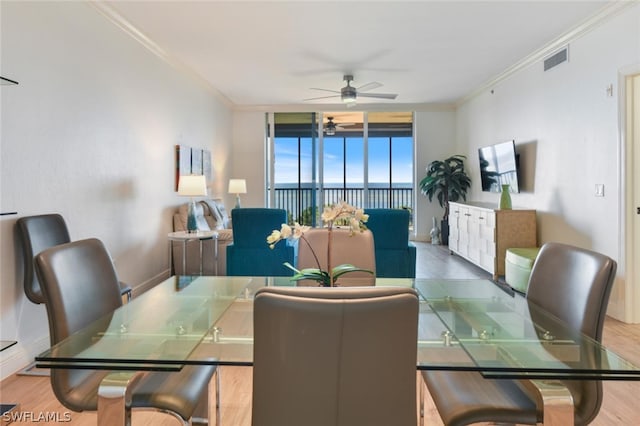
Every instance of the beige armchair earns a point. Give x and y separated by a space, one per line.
211 214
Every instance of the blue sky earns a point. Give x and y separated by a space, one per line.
402 156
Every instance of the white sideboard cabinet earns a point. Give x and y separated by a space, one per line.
481 233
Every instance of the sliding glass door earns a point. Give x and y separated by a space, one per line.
317 159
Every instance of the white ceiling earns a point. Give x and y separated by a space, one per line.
273 52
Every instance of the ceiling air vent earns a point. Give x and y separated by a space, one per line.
556 59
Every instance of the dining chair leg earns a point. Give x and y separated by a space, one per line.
114 397
557 402
201 414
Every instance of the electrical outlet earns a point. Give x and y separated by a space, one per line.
599 190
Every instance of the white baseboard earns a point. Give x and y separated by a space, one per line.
19 356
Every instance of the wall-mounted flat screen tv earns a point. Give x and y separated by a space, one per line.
499 166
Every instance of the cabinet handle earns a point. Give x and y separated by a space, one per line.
481 217
467 214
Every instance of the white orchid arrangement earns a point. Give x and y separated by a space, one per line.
338 214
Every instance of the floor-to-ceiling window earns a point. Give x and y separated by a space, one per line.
365 159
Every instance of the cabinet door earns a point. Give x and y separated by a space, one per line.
454 227
487 256
463 229
473 229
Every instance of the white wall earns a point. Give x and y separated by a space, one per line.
90 133
566 128
249 156
435 140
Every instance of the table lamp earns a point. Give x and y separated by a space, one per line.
237 186
192 186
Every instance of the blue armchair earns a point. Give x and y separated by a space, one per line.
395 254
249 254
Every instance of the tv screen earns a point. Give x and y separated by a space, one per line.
499 166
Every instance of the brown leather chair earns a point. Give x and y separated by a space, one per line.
356 249
80 286
36 234
571 283
335 356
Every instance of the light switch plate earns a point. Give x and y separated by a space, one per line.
599 190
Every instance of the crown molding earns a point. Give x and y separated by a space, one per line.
604 14
118 20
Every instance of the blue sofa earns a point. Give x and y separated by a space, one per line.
395 254
249 254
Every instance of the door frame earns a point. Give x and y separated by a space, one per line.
629 273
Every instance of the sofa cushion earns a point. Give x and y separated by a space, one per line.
218 213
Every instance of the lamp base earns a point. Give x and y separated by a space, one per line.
192 225
237 202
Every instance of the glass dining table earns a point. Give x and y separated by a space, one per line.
464 325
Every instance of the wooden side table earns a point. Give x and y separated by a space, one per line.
185 237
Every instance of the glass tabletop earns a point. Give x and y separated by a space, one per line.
463 325
506 336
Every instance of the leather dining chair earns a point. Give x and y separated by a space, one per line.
335 356
356 249
80 286
40 232
574 285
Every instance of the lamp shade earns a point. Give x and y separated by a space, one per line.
192 185
237 186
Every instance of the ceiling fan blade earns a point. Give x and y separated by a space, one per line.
325 90
378 95
321 97
369 86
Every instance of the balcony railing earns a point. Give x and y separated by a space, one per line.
299 202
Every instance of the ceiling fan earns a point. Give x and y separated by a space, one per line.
330 127
348 94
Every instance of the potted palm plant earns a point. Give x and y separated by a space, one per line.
447 181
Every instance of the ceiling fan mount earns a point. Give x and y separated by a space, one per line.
349 94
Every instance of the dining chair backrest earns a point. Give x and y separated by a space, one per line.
335 356
36 234
80 286
356 249
574 285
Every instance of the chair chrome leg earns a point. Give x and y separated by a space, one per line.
114 398
557 402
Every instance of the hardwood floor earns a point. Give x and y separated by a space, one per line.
36 398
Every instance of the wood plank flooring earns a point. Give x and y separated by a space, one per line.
36 398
